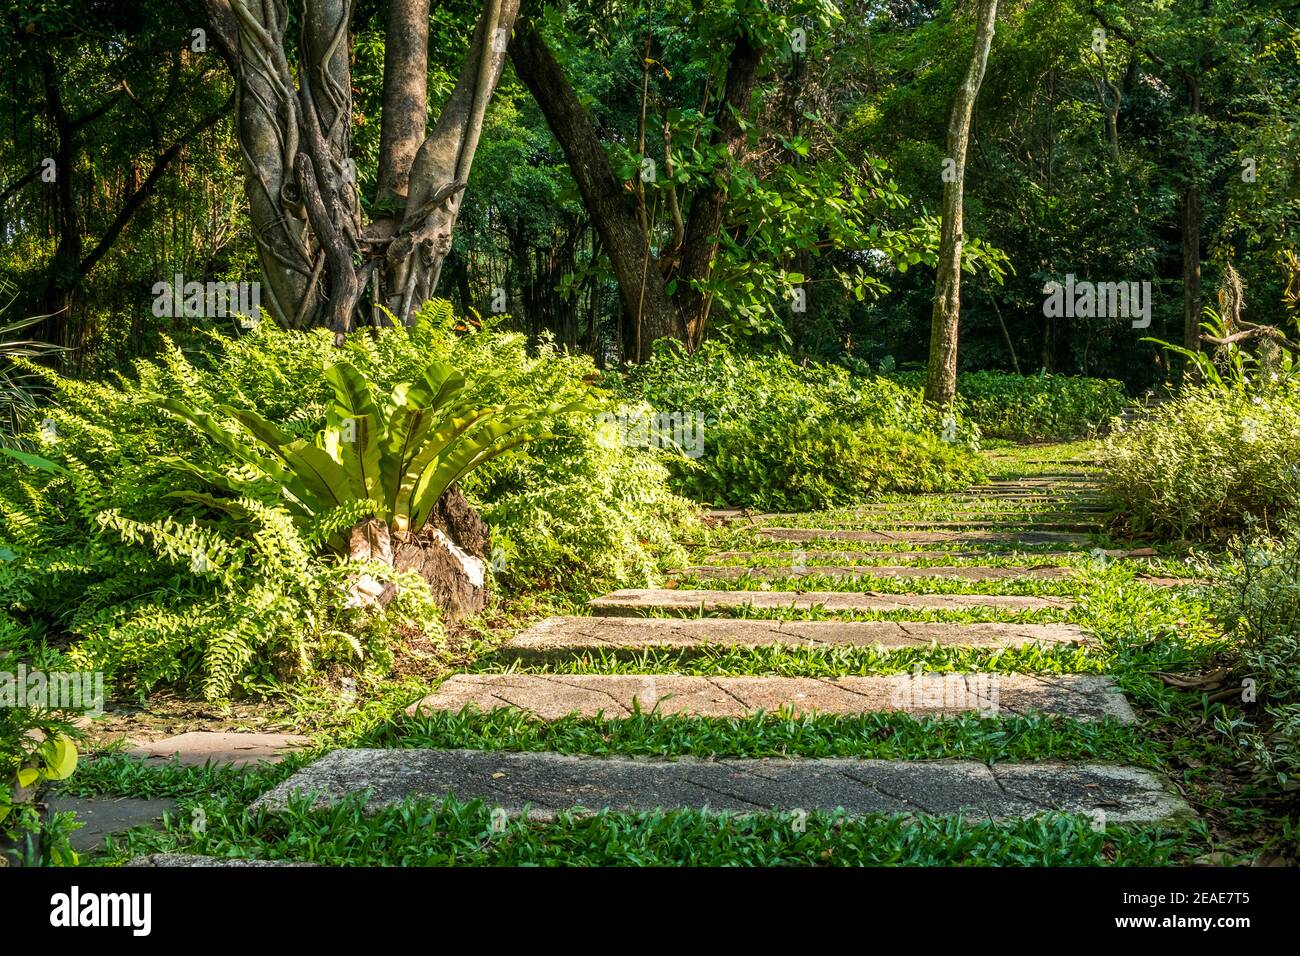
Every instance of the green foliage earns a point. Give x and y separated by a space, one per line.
781 435
35 747
1231 367
398 456
1259 602
19 392
1208 463
1033 408
136 566
449 832
776 462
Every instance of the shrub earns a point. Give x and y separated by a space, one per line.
1033 408
1213 461
1259 601
127 562
781 435
771 462
35 746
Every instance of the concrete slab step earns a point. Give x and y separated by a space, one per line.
904 572
972 536
937 554
966 572
552 696
560 638
102 816
683 601
542 785
190 860
196 748
1006 526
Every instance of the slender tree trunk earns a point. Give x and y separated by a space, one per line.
941 382
406 69
705 219
646 306
1191 241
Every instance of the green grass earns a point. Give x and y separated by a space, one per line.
451 833
791 661
885 736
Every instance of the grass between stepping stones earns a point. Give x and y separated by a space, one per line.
885 736
452 833
1076 562
865 581
792 661
1139 631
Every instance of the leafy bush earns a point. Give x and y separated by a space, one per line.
19 393
1259 600
128 562
1033 408
771 462
398 455
1213 461
35 746
781 435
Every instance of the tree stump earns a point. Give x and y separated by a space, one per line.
450 552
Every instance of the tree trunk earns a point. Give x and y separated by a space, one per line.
406 68
646 305
450 552
941 382
317 256
705 220
1191 240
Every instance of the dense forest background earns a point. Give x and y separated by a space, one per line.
1114 141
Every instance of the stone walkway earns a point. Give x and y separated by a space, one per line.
915 541
543 784
101 817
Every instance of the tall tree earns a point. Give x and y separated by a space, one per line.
636 266
941 381
319 257
149 98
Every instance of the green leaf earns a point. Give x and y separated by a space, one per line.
34 461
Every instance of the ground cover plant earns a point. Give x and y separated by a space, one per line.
231 541
1034 407
782 436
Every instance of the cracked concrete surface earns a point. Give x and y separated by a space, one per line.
541 785
558 638
551 696
633 601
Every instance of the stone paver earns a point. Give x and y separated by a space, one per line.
561 637
678 601
196 748
968 572
852 557
917 536
552 696
952 573
101 816
542 785
904 526
189 860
